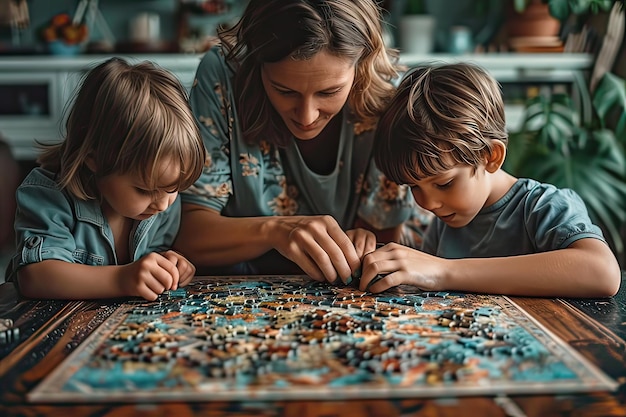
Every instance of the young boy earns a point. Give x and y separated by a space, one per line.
444 135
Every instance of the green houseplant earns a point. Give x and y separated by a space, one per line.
552 17
579 146
563 9
416 28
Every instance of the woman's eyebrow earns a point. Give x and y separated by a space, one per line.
329 88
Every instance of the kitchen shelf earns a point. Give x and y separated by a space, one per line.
62 74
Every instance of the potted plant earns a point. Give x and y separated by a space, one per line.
563 9
416 28
531 18
581 147
544 25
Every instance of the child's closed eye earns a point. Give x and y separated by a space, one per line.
445 185
156 192
150 193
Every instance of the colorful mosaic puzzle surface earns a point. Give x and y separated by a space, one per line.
258 338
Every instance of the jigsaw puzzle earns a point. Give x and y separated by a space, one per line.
287 337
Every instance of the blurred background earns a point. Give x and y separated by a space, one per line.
114 25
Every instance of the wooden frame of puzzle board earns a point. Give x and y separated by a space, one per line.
288 337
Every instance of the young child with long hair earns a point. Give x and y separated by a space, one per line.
98 217
444 135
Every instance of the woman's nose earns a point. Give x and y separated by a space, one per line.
307 112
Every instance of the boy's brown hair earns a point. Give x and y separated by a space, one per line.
441 116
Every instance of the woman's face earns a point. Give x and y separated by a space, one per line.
308 93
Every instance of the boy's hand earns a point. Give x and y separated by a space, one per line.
396 264
149 276
186 270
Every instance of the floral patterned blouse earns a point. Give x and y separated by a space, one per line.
241 179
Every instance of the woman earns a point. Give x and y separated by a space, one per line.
287 105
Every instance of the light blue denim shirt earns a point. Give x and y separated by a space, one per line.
51 224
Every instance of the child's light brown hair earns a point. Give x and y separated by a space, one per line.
128 119
442 116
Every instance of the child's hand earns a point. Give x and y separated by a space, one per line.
186 270
396 264
150 276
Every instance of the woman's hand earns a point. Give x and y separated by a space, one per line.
319 246
363 241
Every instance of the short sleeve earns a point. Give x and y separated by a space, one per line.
557 218
210 101
44 222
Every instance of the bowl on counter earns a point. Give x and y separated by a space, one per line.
61 48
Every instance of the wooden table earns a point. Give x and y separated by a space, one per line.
58 327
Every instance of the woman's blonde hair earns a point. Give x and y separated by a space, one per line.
441 116
126 119
272 30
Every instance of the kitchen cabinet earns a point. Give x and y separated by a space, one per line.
31 107
35 90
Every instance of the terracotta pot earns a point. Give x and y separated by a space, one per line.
536 20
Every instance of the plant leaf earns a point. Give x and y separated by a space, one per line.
610 92
579 6
520 5
556 146
620 129
594 168
560 9
601 5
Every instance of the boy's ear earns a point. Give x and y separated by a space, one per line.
496 159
